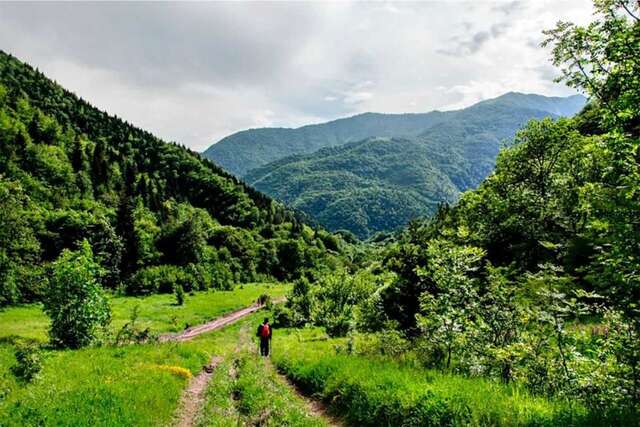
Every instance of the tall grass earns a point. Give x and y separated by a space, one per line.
372 391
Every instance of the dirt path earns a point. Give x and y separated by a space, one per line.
193 396
218 323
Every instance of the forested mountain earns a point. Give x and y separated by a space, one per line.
155 214
379 184
249 149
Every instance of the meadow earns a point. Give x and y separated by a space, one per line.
159 312
384 391
109 385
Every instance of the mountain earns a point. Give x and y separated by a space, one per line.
242 151
155 214
379 184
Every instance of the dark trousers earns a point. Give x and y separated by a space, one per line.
264 346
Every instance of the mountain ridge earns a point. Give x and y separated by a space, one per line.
242 151
378 184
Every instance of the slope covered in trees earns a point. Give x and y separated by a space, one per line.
243 151
379 184
532 278
154 214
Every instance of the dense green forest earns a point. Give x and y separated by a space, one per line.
380 184
531 279
155 214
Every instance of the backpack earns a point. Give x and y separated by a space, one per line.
264 333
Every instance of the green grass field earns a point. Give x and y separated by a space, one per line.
372 391
157 312
104 386
141 384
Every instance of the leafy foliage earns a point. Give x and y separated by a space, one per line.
69 172
75 301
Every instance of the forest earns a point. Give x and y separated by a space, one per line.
154 214
519 304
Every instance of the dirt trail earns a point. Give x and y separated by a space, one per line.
193 396
218 323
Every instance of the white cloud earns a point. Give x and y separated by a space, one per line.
196 72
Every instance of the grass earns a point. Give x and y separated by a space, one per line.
104 386
157 312
100 386
246 390
372 391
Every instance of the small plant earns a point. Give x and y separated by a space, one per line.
130 333
180 294
28 362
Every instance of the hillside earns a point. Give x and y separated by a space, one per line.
379 184
155 214
242 151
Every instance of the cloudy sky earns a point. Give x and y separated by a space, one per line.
195 72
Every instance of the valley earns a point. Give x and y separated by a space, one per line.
377 172
476 267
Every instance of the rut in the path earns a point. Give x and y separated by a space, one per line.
194 395
315 407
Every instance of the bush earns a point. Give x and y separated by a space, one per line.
28 362
264 299
282 317
179 292
162 279
75 301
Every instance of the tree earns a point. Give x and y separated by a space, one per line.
447 314
603 59
19 248
75 301
126 223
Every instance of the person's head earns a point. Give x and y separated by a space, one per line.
266 320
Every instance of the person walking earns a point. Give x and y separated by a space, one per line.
264 333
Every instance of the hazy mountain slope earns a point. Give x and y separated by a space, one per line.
242 151
246 150
380 184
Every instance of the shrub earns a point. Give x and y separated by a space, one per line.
28 362
130 333
282 317
179 292
162 279
264 299
75 301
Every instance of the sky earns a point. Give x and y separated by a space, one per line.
196 72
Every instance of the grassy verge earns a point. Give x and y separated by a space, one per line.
133 385
157 312
381 392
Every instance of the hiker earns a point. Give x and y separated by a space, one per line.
264 333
